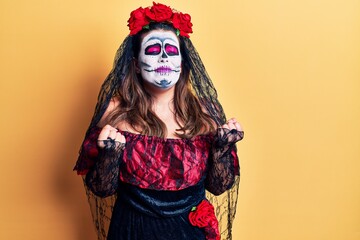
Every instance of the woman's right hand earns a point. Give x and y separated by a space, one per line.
110 135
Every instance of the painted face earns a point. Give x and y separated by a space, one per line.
160 59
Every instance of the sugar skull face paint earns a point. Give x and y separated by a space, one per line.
160 59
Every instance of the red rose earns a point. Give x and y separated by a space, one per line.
204 217
183 23
137 20
159 12
141 17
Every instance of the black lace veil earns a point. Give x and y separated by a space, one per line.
225 204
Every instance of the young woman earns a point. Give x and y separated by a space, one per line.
159 139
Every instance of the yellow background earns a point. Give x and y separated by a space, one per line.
288 70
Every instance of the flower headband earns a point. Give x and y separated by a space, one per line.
141 18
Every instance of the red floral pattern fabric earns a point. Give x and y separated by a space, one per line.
164 164
88 153
156 163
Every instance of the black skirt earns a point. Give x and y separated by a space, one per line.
143 214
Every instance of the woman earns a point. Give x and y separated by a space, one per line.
159 138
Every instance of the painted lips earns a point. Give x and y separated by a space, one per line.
163 70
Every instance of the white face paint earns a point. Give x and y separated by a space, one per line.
160 59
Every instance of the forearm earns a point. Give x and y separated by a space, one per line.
103 178
224 164
100 165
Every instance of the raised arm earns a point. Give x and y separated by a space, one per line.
103 178
224 163
100 157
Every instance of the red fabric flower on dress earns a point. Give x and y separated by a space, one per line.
203 216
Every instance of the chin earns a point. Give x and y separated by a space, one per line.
165 87
164 84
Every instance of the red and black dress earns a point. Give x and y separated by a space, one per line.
160 183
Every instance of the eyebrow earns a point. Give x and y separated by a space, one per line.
161 39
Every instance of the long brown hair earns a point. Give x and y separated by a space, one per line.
135 103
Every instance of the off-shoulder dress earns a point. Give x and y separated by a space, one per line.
160 181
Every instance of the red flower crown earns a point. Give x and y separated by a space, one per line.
141 18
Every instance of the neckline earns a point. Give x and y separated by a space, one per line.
156 138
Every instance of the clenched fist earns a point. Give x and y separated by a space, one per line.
110 137
231 124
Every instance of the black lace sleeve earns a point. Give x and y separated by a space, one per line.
223 164
103 177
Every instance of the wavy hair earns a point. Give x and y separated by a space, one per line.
135 103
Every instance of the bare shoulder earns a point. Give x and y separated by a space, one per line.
113 104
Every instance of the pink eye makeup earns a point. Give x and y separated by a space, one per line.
171 50
153 49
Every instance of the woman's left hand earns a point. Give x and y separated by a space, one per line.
231 124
